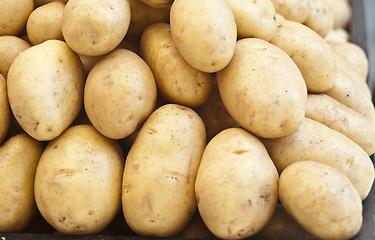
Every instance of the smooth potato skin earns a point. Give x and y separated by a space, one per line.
321 199
78 181
272 86
294 10
158 196
204 32
321 18
13 16
236 185
45 89
19 157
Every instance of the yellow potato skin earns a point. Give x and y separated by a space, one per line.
78 181
4 109
13 16
19 157
321 199
294 10
236 185
158 197
321 18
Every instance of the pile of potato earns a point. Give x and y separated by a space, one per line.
225 119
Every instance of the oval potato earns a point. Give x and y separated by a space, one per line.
294 10
321 18
13 16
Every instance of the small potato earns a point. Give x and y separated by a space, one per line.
120 93
157 3
321 199
321 18
204 32
337 35
342 12
45 89
262 89
294 10
44 23
10 48
236 185
19 158
314 141
177 81
105 25
158 196
78 181
4 110
254 18
305 46
335 115
13 15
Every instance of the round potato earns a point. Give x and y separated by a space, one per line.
177 81
321 18
120 93
45 89
10 48
294 10
342 12
13 15
158 196
236 185
321 199
106 23
157 3
313 141
262 89
19 158
44 23
4 110
254 18
305 46
78 181
204 32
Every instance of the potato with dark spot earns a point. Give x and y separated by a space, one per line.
321 18
13 16
294 10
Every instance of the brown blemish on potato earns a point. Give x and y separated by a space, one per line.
62 219
241 151
36 126
349 161
151 131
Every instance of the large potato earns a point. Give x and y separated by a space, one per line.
177 81
10 48
4 109
19 157
204 32
294 10
321 199
335 115
254 18
158 196
105 25
321 18
78 181
313 141
263 89
120 93
236 185
305 46
45 89
13 15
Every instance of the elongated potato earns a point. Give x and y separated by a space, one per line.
254 18
335 115
305 46
177 81
204 32
321 199
262 89
158 196
234 199
314 141
294 10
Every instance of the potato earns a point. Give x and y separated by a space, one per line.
45 89
342 12
321 199
294 10
335 115
120 93
177 81
254 18
305 46
19 158
4 110
262 81
10 48
236 185
88 62
337 35
157 3
158 196
78 181
314 141
106 24
204 32
143 15
321 18
13 15
44 23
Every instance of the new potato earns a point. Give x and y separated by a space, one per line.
13 15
